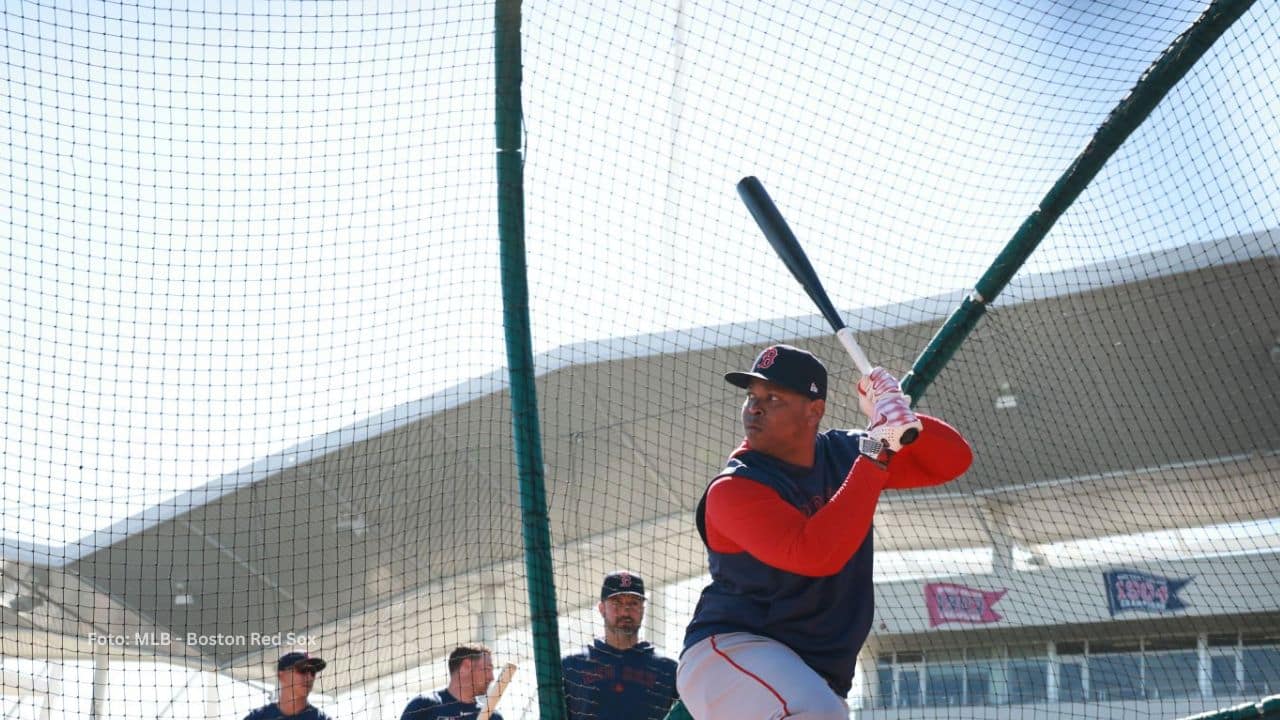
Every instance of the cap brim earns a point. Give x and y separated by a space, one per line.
743 379
622 592
315 664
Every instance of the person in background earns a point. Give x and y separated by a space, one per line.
296 672
619 677
470 672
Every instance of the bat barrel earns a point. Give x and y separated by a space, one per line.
785 244
762 208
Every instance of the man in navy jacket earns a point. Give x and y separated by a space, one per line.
618 677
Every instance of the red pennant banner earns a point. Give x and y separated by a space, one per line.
951 603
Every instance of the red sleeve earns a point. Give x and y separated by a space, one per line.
940 454
743 515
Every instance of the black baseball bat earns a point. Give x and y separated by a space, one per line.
785 244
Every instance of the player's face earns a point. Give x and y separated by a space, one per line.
777 419
481 673
298 679
623 613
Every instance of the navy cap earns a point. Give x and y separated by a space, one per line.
789 367
621 582
300 660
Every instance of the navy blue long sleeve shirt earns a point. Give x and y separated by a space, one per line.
604 683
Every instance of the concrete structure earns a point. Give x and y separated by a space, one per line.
372 514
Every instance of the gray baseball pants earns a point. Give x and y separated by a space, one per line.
740 676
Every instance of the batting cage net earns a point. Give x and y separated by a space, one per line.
282 281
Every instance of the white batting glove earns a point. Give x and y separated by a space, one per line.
890 418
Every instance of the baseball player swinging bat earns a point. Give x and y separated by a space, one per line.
785 244
499 687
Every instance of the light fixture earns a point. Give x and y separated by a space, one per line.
354 524
18 587
24 603
181 596
1005 399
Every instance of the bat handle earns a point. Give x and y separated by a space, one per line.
495 694
845 336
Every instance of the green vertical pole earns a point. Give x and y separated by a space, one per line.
1174 63
524 400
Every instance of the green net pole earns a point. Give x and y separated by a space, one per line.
1132 111
678 712
524 400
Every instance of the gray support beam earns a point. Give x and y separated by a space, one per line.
656 616
1001 535
212 697
97 700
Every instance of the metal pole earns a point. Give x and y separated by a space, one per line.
524 401
1133 110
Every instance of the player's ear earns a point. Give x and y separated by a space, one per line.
817 408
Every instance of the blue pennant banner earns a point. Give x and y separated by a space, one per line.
1129 590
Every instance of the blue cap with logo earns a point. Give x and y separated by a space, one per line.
621 582
788 366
